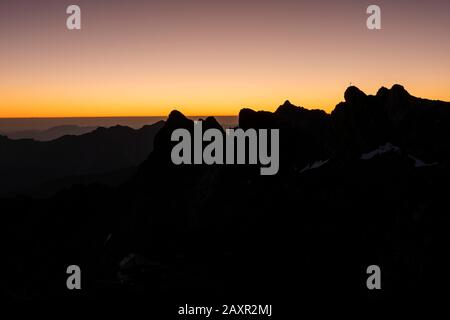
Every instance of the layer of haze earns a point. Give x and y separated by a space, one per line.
145 58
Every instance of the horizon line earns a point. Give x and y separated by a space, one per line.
105 117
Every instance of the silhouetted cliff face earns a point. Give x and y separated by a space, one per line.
304 134
356 187
421 127
177 192
360 124
163 144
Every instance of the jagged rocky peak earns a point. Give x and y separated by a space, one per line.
288 111
176 117
249 118
354 95
396 95
211 122
399 95
246 111
399 89
382 92
287 106
174 121
396 90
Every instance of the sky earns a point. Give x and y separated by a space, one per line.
210 57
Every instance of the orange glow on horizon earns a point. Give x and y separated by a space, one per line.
36 107
139 58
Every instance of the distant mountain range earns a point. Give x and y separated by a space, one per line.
49 134
26 164
45 129
366 184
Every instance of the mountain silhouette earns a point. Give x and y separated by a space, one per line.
364 185
27 164
49 134
360 124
